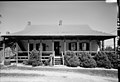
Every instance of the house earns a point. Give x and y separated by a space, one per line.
56 40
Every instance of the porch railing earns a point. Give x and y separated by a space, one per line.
23 55
89 52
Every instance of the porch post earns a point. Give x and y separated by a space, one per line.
89 45
16 53
3 50
77 45
53 51
64 47
103 45
100 45
114 44
40 49
28 50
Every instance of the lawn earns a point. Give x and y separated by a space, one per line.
91 71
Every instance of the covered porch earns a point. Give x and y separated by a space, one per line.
54 47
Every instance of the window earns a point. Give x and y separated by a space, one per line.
84 46
73 46
43 47
37 46
31 47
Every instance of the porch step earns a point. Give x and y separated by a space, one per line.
58 60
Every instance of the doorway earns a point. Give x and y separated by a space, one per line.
57 48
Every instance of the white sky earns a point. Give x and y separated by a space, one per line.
98 15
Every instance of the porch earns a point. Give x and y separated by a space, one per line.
58 48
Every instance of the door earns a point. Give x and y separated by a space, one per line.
57 48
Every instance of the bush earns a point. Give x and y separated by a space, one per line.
34 55
71 60
34 59
47 62
36 63
86 60
102 60
25 62
7 62
113 59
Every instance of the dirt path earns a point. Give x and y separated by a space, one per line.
50 76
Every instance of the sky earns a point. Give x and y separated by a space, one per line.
99 15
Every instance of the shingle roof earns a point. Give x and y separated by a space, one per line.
56 30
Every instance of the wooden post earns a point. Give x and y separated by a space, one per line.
89 45
3 50
53 51
103 45
100 45
34 46
114 45
77 45
16 53
28 50
40 49
64 47
63 58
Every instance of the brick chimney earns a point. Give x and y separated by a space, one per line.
7 32
60 22
29 23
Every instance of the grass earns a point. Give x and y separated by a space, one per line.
19 74
107 73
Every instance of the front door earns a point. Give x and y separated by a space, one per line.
57 48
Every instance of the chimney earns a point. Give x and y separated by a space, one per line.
7 32
60 22
29 23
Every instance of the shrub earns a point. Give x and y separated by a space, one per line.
34 55
46 62
71 60
86 60
7 62
36 63
102 60
34 59
113 59
25 62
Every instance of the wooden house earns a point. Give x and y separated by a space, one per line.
56 40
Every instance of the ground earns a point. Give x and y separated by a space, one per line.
52 74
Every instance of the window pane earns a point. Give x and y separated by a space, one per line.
84 46
73 46
31 47
37 46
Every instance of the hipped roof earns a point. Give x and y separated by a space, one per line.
56 30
